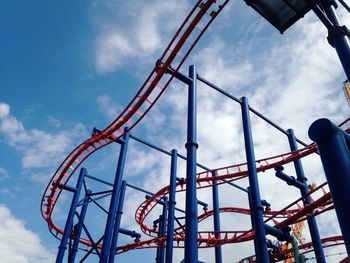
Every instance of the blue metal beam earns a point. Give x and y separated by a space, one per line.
335 157
106 245
315 234
69 223
338 36
290 180
216 209
191 252
78 229
254 194
118 219
171 208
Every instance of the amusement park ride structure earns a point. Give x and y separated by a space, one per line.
332 143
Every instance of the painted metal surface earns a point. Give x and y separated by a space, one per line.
191 252
69 222
256 207
333 145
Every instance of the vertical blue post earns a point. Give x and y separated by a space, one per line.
159 244
338 38
256 209
311 221
171 209
216 207
107 238
79 228
69 223
191 223
333 146
163 230
117 222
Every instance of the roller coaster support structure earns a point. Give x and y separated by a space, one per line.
117 222
69 223
256 207
171 209
333 144
107 239
79 227
315 235
191 251
162 232
216 208
338 33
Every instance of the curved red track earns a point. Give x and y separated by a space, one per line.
153 87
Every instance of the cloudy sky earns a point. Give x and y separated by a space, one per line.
69 66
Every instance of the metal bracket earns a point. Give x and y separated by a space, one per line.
337 31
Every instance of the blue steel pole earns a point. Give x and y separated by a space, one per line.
106 246
163 230
216 207
117 222
191 252
315 235
69 223
335 157
255 201
337 37
159 244
79 228
171 209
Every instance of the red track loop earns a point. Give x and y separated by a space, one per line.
291 214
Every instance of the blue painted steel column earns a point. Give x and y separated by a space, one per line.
191 223
118 219
333 146
159 244
106 246
256 209
163 230
69 223
171 208
338 38
216 207
79 228
311 221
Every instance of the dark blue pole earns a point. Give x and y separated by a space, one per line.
171 208
333 146
79 228
216 207
117 222
256 209
337 37
311 221
191 253
69 223
159 230
106 246
163 230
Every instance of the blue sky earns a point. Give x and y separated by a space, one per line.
69 66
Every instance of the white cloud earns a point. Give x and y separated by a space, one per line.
113 48
18 244
140 38
39 149
108 107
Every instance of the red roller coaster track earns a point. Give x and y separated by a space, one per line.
155 84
